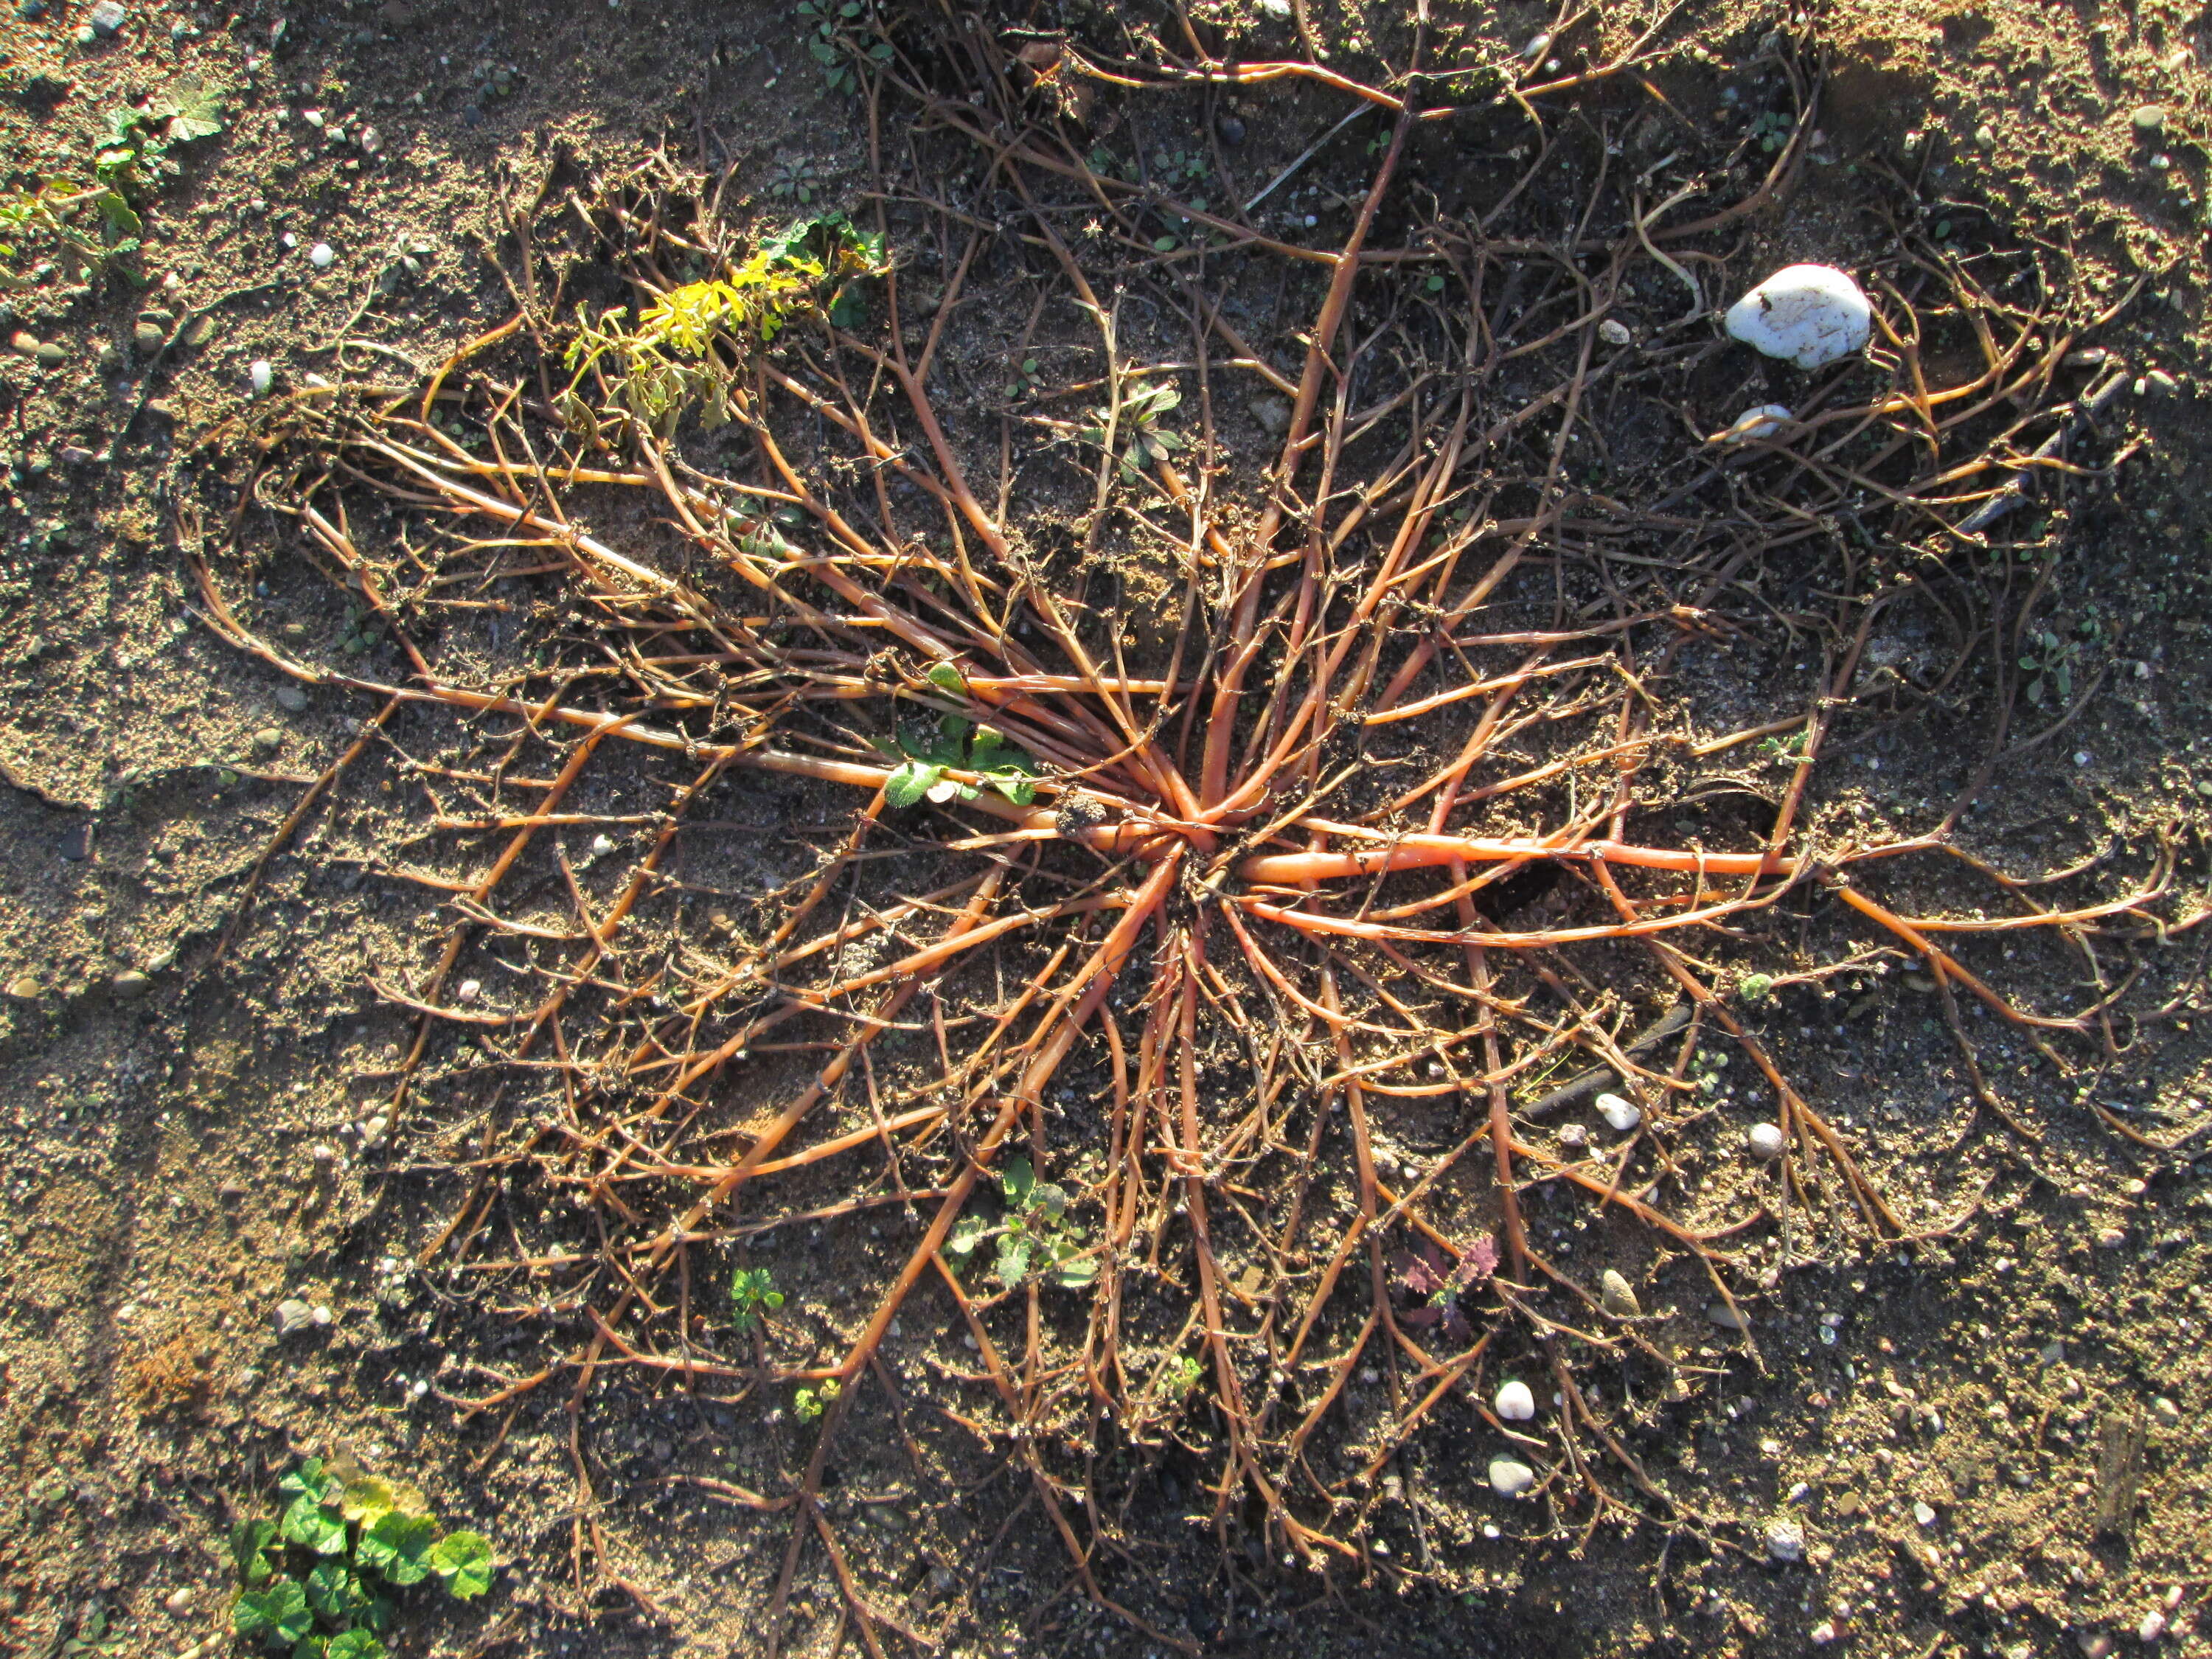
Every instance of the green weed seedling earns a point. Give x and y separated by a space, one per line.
752 1294
317 1580
1033 1238
810 1403
1139 423
667 362
956 743
94 1639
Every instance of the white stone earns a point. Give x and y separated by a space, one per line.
1615 332
1763 422
1511 1480
1823 1633
1622 1115
2153 1626
1808 315
1785 1539
1764 1140
322 253
262 374
1514 1403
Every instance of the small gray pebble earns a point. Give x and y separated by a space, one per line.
132 984
106 17
53 355
268 740
147 336
1231 131
292 1316
291 698
1618 1296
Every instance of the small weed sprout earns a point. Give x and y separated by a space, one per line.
809 1404
1756 987
1423 1274
1033 1235
93 1637
315 1579
957 744
1139 420
752 1295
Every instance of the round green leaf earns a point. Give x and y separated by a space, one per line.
398 1547
463 1560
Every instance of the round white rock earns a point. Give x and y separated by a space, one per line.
1764 1140
1514 1403
1511 1480
1622 1115
1809 315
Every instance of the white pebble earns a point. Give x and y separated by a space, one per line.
320 256
2153 1626
1823 1633
1511 1480
262 374
1514 1403
1622 1115
1574 1137
1785 1539
1924 1515
601 846
1764 1140
468 991
1537 46
1615 332
1809 315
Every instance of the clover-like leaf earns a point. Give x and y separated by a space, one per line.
463 1560
1049 1199
398 1547
277 1616
334 1591
366 1498
307 1480
311 1525
355 1644
249 1550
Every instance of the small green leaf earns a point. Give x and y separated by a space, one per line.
463 1560
908 783
277 1616
947 678
312 1647
364 1499
308 1524
333 1591
1755 987
1436 282
1163 244
1017 1181
1013 1259
356 1644
1049 1199
1014 786
249 1544
967 1233
1071 1269
307 1480
398 1547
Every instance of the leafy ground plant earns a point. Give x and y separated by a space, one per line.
318 1580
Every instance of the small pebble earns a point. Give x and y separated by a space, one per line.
1615 332
468 991
106 17
2149 119
1785 1539
292 1316
268 740
2110 1238
2152 1627
1514 1403
179 1601
130 983
25 988
292 698
1231 131
1622 1115
2168 1413
1923 1515
1509 1479
1574 1137
1726 1317
1823 1633
601 846
1272 413
320 256
1764 1140
2093 1643
1754 424
261 375
1617 1296
147 336
52 355
373 1131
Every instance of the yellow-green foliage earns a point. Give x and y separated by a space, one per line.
685 348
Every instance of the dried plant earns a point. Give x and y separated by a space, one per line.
1360 798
